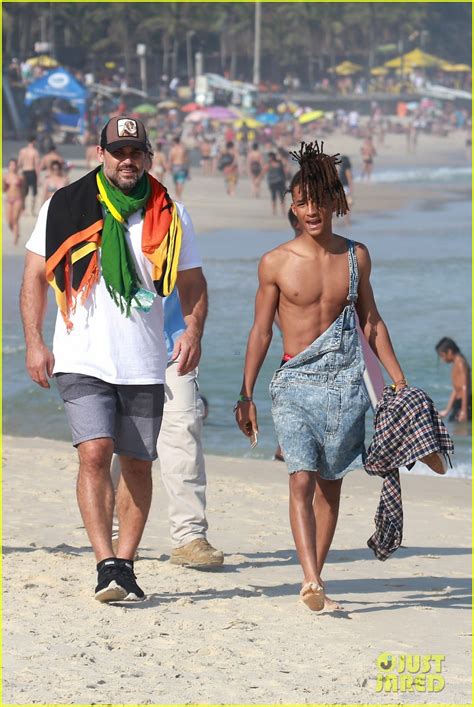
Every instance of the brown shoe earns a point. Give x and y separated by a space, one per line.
198 553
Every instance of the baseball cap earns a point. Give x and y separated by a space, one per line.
121 131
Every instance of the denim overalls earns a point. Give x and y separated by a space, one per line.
319 399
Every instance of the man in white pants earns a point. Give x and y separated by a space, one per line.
181 456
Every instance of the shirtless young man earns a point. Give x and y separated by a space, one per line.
179 164
316 282
458 407
29 164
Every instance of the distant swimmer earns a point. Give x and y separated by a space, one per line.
14 190
458 407
29 165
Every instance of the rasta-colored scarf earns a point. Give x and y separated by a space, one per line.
76 229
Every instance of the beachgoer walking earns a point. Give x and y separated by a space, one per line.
160 162
255 167
29 165
345 176
229 166
276 180
316 282
54 180
368 153
109 244
458 407
14 190
179 166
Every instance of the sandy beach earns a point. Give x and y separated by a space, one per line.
239 634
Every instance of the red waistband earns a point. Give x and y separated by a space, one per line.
287 357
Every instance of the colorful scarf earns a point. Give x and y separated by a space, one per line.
75 231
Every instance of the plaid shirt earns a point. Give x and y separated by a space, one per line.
407 428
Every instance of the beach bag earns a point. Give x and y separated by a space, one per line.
225 160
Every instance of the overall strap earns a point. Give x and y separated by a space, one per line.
353 273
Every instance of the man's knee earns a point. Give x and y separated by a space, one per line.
95 454
131 465
302 485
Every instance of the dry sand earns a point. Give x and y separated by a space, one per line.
239 634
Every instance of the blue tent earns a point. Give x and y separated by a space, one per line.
59 83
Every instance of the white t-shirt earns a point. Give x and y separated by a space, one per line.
103 342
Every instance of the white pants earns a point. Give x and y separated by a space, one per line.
181 458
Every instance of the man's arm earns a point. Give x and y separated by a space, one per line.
266 302
372 323
33 302
192 288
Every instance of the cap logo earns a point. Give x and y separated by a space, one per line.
126 127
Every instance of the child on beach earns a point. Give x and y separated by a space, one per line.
458 407
316 283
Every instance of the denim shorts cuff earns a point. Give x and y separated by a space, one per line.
135 455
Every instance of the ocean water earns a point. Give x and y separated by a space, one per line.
421 276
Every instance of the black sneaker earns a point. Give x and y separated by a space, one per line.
127 580
109 587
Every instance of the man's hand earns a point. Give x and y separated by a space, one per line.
40 364
246 418
188 348
462 416
443 413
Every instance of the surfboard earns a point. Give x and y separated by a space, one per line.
373 376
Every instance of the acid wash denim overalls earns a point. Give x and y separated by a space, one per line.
319 399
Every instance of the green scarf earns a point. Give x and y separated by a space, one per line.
117 264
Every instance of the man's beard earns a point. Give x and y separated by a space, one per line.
125 184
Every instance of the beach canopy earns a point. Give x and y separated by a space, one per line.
166 105
309 117
268 118
415 59
42 60
59 83
219 113
379 71
346 68
456 67
189 107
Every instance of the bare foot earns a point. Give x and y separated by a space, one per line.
312 594
331 605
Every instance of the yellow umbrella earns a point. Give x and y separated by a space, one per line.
42 60
414 59
346 68
312 115
379 71
249 122
455 67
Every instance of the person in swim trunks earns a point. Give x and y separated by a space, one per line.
316 282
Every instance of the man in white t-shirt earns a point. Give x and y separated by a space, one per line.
109 244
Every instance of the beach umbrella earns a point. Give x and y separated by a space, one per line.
455 67
145 109
379 71
249 122
268 118
219 113
42 60
189 107
415 59
196 116
309 117
346 68
166 105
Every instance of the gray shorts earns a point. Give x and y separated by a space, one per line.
129 414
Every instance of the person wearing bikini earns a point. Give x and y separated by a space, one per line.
54 180
14 190
316 282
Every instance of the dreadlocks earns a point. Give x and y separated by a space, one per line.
318 177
